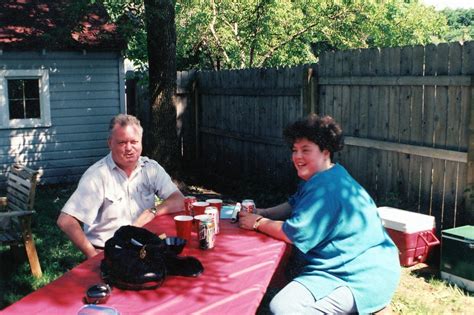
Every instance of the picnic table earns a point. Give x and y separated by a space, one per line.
237 272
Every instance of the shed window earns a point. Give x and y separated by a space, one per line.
24 99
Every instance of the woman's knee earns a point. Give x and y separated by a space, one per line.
276 305
291 299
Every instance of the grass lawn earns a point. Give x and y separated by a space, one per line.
420 292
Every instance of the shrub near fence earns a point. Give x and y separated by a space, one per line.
405 112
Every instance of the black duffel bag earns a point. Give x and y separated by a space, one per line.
137 259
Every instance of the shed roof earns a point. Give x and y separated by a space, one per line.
57 25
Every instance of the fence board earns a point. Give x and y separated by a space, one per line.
452 137
406 58
394 119
373 113
383 121
363 122
467 177
416 127
329 69
236 145
439 136
322 90
351 129
378 125
428 127
337 100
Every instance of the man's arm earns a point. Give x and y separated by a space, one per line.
72 228
174 203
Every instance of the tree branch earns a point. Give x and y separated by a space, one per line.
235 32
214 33
258 11
292 37
273 49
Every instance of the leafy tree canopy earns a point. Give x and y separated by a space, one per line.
460 23
229 34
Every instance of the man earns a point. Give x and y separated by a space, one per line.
118 190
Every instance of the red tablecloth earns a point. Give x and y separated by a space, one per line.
237 273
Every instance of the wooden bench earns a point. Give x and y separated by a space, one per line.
16 211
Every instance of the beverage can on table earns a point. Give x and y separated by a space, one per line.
248 205
214 213
207 235
188 208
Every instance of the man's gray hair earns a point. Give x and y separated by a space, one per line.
124 120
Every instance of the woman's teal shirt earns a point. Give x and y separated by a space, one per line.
335 224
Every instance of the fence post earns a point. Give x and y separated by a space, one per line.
306 90
315 89
195 95
469 192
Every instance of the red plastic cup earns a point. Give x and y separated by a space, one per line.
215 203
199 207
184 225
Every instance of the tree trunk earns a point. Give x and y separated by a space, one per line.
161 138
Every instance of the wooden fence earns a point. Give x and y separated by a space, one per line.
240 117
405 113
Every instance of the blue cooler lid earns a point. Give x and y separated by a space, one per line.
462 232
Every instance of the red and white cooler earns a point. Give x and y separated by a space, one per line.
413 233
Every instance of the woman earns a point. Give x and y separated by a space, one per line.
350 263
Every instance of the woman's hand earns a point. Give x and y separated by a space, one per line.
247 220
266 226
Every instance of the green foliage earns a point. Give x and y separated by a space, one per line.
400 23
223 34
461 24
130 18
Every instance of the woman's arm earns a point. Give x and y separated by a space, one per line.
280 212
264 225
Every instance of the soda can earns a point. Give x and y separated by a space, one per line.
188 208
207 235
214 213
248 205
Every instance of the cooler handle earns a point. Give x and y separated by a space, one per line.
428 244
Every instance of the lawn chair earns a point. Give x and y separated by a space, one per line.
16 211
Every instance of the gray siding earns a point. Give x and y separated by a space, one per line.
86 90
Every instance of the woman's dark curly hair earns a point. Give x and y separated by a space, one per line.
323 131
